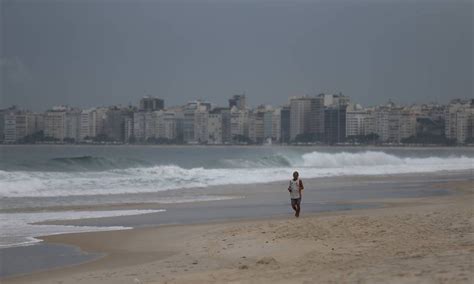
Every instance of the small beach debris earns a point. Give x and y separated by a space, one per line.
267 260
243 266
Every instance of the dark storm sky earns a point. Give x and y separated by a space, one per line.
88 53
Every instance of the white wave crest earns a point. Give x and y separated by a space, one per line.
170 177
20 228
372 158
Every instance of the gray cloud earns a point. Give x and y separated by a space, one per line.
88 53
14 71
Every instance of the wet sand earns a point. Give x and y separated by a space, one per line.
408 240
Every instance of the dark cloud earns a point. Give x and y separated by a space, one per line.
89 53
14 71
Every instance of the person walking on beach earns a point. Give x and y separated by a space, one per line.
295 188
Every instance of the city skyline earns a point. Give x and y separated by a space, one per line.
92 53
327 119
135 103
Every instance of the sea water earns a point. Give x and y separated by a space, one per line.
47 176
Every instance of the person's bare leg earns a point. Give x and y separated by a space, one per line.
298 208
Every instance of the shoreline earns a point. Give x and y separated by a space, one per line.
155 247
230 192
401 146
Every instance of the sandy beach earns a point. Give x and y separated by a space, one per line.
410 240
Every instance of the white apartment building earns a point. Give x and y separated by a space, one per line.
87 124
276 124
18 124
73 125
139 121
369 123
165 124
356 118
381 117
256 126
459 121
239 122
158 124
144 125
268 124
38 122
407 124
214 128
300 110
55 123
201 117
99 116
393 124
128 128
10 128
24 124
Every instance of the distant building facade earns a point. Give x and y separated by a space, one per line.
151 104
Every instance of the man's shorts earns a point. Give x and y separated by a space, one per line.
296 201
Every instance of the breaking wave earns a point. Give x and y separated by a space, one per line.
115 176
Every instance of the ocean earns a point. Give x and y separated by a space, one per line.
42 182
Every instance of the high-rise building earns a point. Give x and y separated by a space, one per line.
128 128
194 122
55 123
276 125
10 128
2 124
394 126
356 118
340 100
239 122
165 124
27 123
23 125
99 116
300 111
73 125
407 124
369 123
143 126
151 104
215 127
114 124
188 122
392 123
239 101
179 123
201 117
327 99
285 124
15 124
316 116
87 125
381 118
256 126
307 116
268 123
459 120
335 124
38 122
226 126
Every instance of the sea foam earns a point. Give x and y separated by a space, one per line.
152 178
20 228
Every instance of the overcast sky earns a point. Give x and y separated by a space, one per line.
88 53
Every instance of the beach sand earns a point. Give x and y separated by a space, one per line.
413 240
